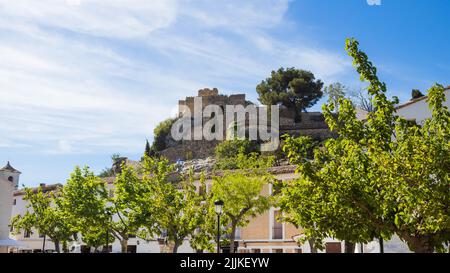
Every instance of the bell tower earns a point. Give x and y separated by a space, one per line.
10 174
9 181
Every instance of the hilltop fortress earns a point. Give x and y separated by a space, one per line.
312 124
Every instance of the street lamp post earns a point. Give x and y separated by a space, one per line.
218 208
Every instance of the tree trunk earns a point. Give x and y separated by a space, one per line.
232 237
381 242
124 245
312 245
175 247
57 246
65 247
349 247
419 244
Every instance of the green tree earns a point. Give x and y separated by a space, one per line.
163 206
380 177
230 148
44 215
243 161
84 199
242 195
109 172
318 202
149 151
362 100
160 133
97 236
296 89
128 220
415 94
335 92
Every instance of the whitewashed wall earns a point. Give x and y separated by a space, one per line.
420 110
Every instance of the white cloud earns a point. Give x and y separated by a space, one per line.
112 18
233 14
67 87
374 2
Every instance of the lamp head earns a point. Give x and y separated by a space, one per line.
218 206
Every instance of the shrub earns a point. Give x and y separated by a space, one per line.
245 161
231 148
415 94
160 133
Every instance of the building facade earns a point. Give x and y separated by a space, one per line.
264 233
9 180
418 109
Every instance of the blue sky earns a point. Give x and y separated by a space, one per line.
83 79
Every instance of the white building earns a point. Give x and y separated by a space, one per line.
9 180
33 242
415 109
418 109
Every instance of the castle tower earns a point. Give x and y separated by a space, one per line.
9 181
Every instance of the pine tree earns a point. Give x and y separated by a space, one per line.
148 150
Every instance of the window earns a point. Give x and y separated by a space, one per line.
277 229
278 250
41 235
11 179
131 249
256 250
131 236
298 250
26 234
14 202
333 247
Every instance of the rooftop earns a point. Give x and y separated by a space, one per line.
43 187
400 106
9 168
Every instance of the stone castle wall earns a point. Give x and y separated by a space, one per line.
211 96
312 124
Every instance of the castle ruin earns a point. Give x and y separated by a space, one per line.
312 124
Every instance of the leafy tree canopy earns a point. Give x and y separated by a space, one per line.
296 89
335 92
380 177
44 215
243 197
160 133
415 94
